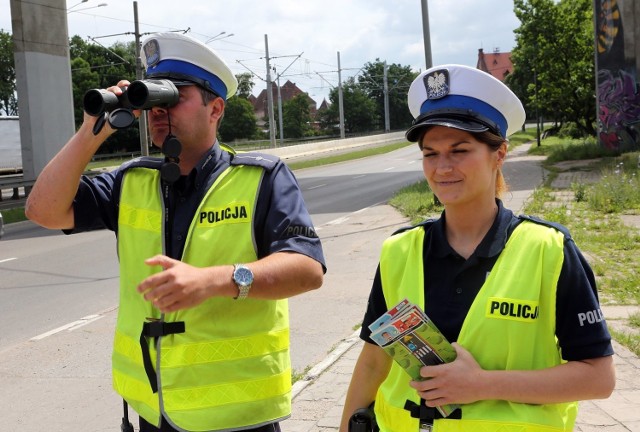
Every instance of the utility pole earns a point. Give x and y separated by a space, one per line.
279 108
272 131
278 75
385 87
142 120
426 34
340 100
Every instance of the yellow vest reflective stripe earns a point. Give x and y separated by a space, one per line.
515 306
231 367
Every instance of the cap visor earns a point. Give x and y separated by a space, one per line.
414 133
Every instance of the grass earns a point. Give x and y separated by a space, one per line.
522 137
13 215
358 154
558 149
297 376
416 202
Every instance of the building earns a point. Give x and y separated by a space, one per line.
287 92
497 63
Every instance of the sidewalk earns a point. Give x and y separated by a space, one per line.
319 397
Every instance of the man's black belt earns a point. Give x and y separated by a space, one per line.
155 329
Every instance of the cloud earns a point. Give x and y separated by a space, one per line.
361 30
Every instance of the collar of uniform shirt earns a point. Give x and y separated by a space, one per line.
491 245
207 164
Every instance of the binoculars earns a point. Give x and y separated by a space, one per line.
140 94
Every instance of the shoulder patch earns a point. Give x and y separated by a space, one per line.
425 223
143 162
266 161
558 227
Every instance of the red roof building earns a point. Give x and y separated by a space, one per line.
497 63
287 92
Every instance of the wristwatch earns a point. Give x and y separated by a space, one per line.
243 277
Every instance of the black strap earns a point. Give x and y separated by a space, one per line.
423 412
155 329
126 425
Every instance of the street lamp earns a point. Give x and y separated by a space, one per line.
77 4
217 37
84 9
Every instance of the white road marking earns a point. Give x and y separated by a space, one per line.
346 218
316 187
71 326
7 260
389 169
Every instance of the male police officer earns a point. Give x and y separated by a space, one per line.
207 258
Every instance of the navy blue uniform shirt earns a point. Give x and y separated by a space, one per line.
453 282
282 222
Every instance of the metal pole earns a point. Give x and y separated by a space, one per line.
142 120
279 109
535 84
426 34
340 100
272 131
385 87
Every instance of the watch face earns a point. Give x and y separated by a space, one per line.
243 276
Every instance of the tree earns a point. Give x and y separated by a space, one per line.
296 117
553 60
96 66
239 121
245 85
8 100
399 79
360 112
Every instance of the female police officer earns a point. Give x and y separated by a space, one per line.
472 270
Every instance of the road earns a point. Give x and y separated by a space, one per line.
49 280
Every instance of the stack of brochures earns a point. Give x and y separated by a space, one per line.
412 340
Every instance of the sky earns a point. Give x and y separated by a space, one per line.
304 37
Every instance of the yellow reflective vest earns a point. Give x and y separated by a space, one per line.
510 326
230 368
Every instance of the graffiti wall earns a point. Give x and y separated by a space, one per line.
617 66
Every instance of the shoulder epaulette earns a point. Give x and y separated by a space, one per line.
266 161
143 162
425 223
564 230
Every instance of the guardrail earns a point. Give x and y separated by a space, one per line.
13 191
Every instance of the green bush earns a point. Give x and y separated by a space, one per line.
618 190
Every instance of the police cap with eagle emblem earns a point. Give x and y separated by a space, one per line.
187 61
464 98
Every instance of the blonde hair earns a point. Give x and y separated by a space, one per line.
494 142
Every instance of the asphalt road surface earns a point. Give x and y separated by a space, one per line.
49 280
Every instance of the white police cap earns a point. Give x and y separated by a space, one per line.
464 98
179 58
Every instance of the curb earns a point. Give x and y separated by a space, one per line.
325 364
